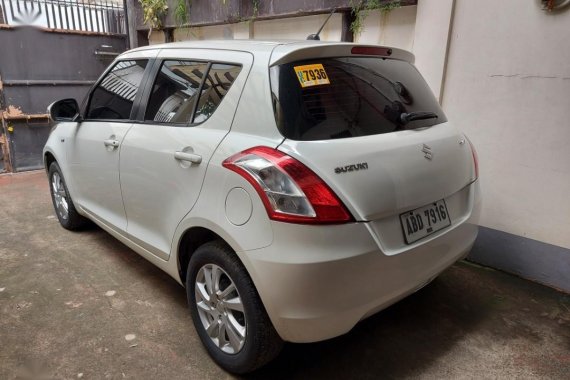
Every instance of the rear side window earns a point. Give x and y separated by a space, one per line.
346 97
219 80
189 92
114 96
175 91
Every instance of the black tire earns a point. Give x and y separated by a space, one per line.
72 221
262 343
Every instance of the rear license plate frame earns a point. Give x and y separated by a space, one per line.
425 221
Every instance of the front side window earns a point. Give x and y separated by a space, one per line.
187 92
114 96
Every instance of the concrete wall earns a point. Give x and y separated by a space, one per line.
156 37
431 40
501 70
218 32
394 29
299 28
508 86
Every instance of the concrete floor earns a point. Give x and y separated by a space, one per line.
82 305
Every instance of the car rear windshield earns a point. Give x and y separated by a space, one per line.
332 98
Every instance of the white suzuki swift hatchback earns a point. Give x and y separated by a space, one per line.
294 188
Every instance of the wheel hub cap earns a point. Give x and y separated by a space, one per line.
220 308
59 196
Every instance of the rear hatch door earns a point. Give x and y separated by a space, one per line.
381 175
372 129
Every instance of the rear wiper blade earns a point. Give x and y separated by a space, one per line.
405 118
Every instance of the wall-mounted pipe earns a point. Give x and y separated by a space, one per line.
106 53
51 82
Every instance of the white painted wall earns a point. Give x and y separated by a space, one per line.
508 87
430 42
215 32
395 28
293 28
502 72
156 37
298 28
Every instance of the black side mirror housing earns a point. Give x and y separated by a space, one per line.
64 110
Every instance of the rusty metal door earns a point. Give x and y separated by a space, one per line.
49 50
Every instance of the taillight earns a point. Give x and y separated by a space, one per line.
290 191
475 159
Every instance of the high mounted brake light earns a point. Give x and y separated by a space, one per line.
290 191
371 50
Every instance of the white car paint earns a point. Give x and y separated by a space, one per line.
315 281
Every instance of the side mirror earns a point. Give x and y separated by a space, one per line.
64 110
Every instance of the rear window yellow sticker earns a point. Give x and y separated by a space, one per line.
312 75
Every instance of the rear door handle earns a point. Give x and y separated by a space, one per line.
189 157
111 142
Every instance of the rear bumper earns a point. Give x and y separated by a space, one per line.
317 282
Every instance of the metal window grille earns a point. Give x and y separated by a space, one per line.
99 16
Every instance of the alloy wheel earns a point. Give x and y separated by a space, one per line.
59 196
220 308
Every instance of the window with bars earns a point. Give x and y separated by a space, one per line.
99 16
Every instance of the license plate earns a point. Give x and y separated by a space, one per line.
424 221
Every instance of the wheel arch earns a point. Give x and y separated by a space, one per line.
191 240
49 158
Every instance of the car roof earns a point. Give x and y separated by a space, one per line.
285 47
251 46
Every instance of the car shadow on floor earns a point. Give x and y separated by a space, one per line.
400 341
142 269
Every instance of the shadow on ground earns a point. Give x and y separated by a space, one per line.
398 342
76 304
419 333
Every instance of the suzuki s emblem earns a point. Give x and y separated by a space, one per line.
427 152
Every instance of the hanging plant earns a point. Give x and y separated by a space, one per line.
181 13
255 8
361 9
550 5
255 4
153 13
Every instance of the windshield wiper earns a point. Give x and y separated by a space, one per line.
405 118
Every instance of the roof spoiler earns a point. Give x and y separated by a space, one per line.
293 52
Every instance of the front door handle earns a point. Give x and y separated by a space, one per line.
111 142
189 157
